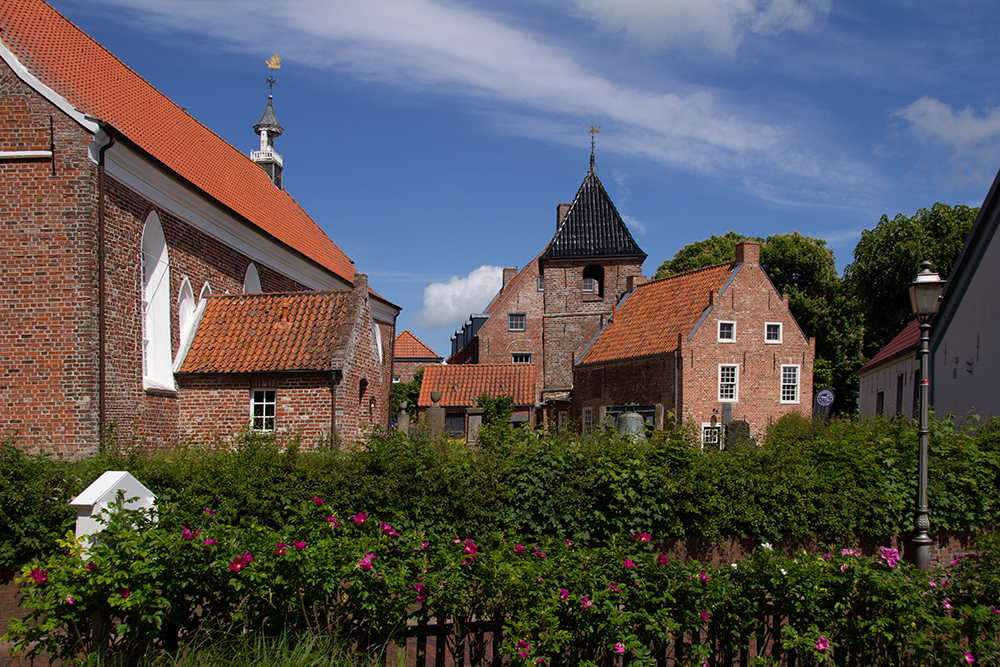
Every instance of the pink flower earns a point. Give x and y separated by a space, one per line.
619 648
628 563
955 560
91 567
366 562
522 648
360 518
843 568
570 544
387 529
662 559
994 609
209 512
703 576
332 520
538 553
39 575
947 604
280 546
422 546
704 614
642 537
241 562
563 593
299 546
317 500
968 657
208 544
891 556
189 535
825 556
850 552
586 603
70 599
822 644
419 588
470 547
124 592
518 549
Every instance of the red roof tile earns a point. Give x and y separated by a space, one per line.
461 385
652 316
246 333
905 341
409 346
92 79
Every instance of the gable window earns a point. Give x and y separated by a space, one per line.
540 284
587 421
515 321
711 434
263 405
157 367
593 280
520 358
729 378
727 332
790 384
772 332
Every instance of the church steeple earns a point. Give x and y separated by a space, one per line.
268 128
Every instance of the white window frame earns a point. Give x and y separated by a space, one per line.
396 379
736 384
263 418
708 437
587 421
780 333
540 283
590 285
719 332
797 385
513 360
511 321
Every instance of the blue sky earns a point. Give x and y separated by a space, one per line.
433 139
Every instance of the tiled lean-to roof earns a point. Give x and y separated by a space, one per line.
247 333
93 80
408 346
656 312
592 227
463 384
905 341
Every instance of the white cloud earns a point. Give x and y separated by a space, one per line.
453 50
635 226
449 304
717 24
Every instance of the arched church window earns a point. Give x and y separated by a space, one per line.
157 372
251 280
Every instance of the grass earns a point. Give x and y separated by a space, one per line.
261 651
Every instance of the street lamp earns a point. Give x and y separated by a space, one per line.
925 293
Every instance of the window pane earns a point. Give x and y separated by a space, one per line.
726 330
589 285
774 332
789 384
515 322
727 383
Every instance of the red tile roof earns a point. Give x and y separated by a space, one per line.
89 77
246 333
506 292
409 346
461 385
905 341
652 316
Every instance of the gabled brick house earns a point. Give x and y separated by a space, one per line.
711 343
462 385
121 214
410 354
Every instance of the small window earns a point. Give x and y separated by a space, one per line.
589 285
772 332
454 424
880 403
729 376
593 280
727 332
711 434
515 321
789 384
520 358
561 419
587 421
263 405
541 283
395 378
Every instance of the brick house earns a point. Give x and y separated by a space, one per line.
462 385
890 379
122 214
410 354
706 344
546 313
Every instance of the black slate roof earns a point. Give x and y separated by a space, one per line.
269 121
592 227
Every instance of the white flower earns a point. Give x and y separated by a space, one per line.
783 571
734 566
766 545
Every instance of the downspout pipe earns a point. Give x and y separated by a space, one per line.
101 290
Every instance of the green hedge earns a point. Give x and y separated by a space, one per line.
832 481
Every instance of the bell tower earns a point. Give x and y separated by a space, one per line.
268 129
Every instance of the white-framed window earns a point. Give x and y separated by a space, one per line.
516 321
395 379
520 358
263 406
587 420
589 285
711 434
772 332
729 383
540 284
727 332
789 383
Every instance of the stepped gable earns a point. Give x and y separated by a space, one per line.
247 333
408 346
592 227
83 72
650 319
463 384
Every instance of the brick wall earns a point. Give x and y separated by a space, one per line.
647 381
407 368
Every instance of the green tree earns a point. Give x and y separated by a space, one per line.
495 410
887 257
409 392
713 250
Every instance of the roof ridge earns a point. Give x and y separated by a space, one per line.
299 293
730 264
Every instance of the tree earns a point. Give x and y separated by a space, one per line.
496 410
409 392
714 250
887 257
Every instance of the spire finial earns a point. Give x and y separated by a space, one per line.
592 133
273 63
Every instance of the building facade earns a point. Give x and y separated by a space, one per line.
410 354
890 380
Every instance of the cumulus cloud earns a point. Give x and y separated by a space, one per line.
635 226
717 24
973 139
449 304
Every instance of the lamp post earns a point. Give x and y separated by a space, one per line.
925 292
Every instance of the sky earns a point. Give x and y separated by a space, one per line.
433 139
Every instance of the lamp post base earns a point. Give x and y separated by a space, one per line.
918 552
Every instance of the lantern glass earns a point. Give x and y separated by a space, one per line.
925 292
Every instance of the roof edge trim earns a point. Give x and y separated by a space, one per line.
31 80
700 321
732 277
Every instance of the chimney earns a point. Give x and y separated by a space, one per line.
634 281
361 281
748 253
508 275
561 211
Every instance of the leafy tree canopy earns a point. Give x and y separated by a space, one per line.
409 392
887 257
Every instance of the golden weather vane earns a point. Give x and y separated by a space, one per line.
274 63
592 133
